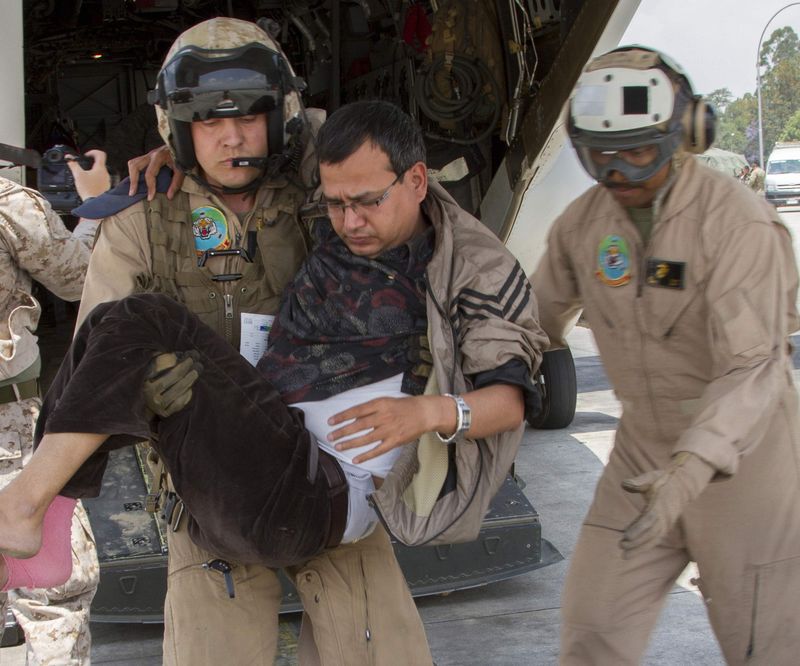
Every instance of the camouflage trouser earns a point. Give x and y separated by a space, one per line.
56 620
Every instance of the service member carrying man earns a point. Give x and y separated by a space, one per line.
230 112
688 282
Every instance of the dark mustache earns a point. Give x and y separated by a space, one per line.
620 186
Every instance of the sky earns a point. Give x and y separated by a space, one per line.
715 41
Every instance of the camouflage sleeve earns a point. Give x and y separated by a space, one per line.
41 245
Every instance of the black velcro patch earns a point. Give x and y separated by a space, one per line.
663 273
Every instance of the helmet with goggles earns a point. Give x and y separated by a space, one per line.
632 110
224 68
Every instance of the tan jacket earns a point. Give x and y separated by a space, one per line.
123 259
481 314
694 335
34 245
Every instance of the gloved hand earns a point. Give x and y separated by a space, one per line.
668 492
168 386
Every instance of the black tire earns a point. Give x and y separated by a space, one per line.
559 387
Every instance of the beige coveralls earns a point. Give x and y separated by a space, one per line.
35 244
355 596
692 329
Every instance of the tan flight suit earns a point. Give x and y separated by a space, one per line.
355 596
692 330
35 245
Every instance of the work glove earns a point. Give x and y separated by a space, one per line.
668 492
168 386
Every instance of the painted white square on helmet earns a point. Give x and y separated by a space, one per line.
619 99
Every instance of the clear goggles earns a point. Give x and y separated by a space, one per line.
197 84
638 155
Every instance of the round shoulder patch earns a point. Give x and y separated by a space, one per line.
210 229
613 261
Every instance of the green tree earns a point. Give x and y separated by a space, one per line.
780 83
737 127
781 45
791 131
719 99
779 69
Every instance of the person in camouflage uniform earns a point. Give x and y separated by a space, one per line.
35 245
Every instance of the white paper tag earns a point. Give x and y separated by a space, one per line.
255 333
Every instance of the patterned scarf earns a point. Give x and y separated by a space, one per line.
347 321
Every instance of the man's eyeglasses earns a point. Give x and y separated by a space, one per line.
335 210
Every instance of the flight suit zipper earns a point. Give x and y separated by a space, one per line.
367 629
228 323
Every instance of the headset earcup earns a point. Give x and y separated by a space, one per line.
709 120
700 125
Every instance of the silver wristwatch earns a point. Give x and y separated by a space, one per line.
463 420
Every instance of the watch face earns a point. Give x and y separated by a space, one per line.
463 418
466 417
464 414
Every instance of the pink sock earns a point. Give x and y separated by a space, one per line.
52 565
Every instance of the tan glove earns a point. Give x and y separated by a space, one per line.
668 492
168 386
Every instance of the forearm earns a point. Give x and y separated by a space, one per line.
736 410
392 422
495 408
556 289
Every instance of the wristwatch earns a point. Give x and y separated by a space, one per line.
463 420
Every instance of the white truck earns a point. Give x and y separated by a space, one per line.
782 182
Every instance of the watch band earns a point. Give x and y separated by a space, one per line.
463 418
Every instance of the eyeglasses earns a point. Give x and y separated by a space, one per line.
336 210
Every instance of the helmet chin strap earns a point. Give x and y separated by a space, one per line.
249 187
271 166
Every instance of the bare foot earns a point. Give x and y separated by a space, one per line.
20 528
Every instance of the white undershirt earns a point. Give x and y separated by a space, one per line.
318 412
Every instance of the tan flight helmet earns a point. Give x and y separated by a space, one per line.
631 97
223 68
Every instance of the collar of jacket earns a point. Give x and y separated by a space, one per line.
193 187
262 194
442 210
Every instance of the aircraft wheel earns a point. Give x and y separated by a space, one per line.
559 391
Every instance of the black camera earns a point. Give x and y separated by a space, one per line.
55 180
